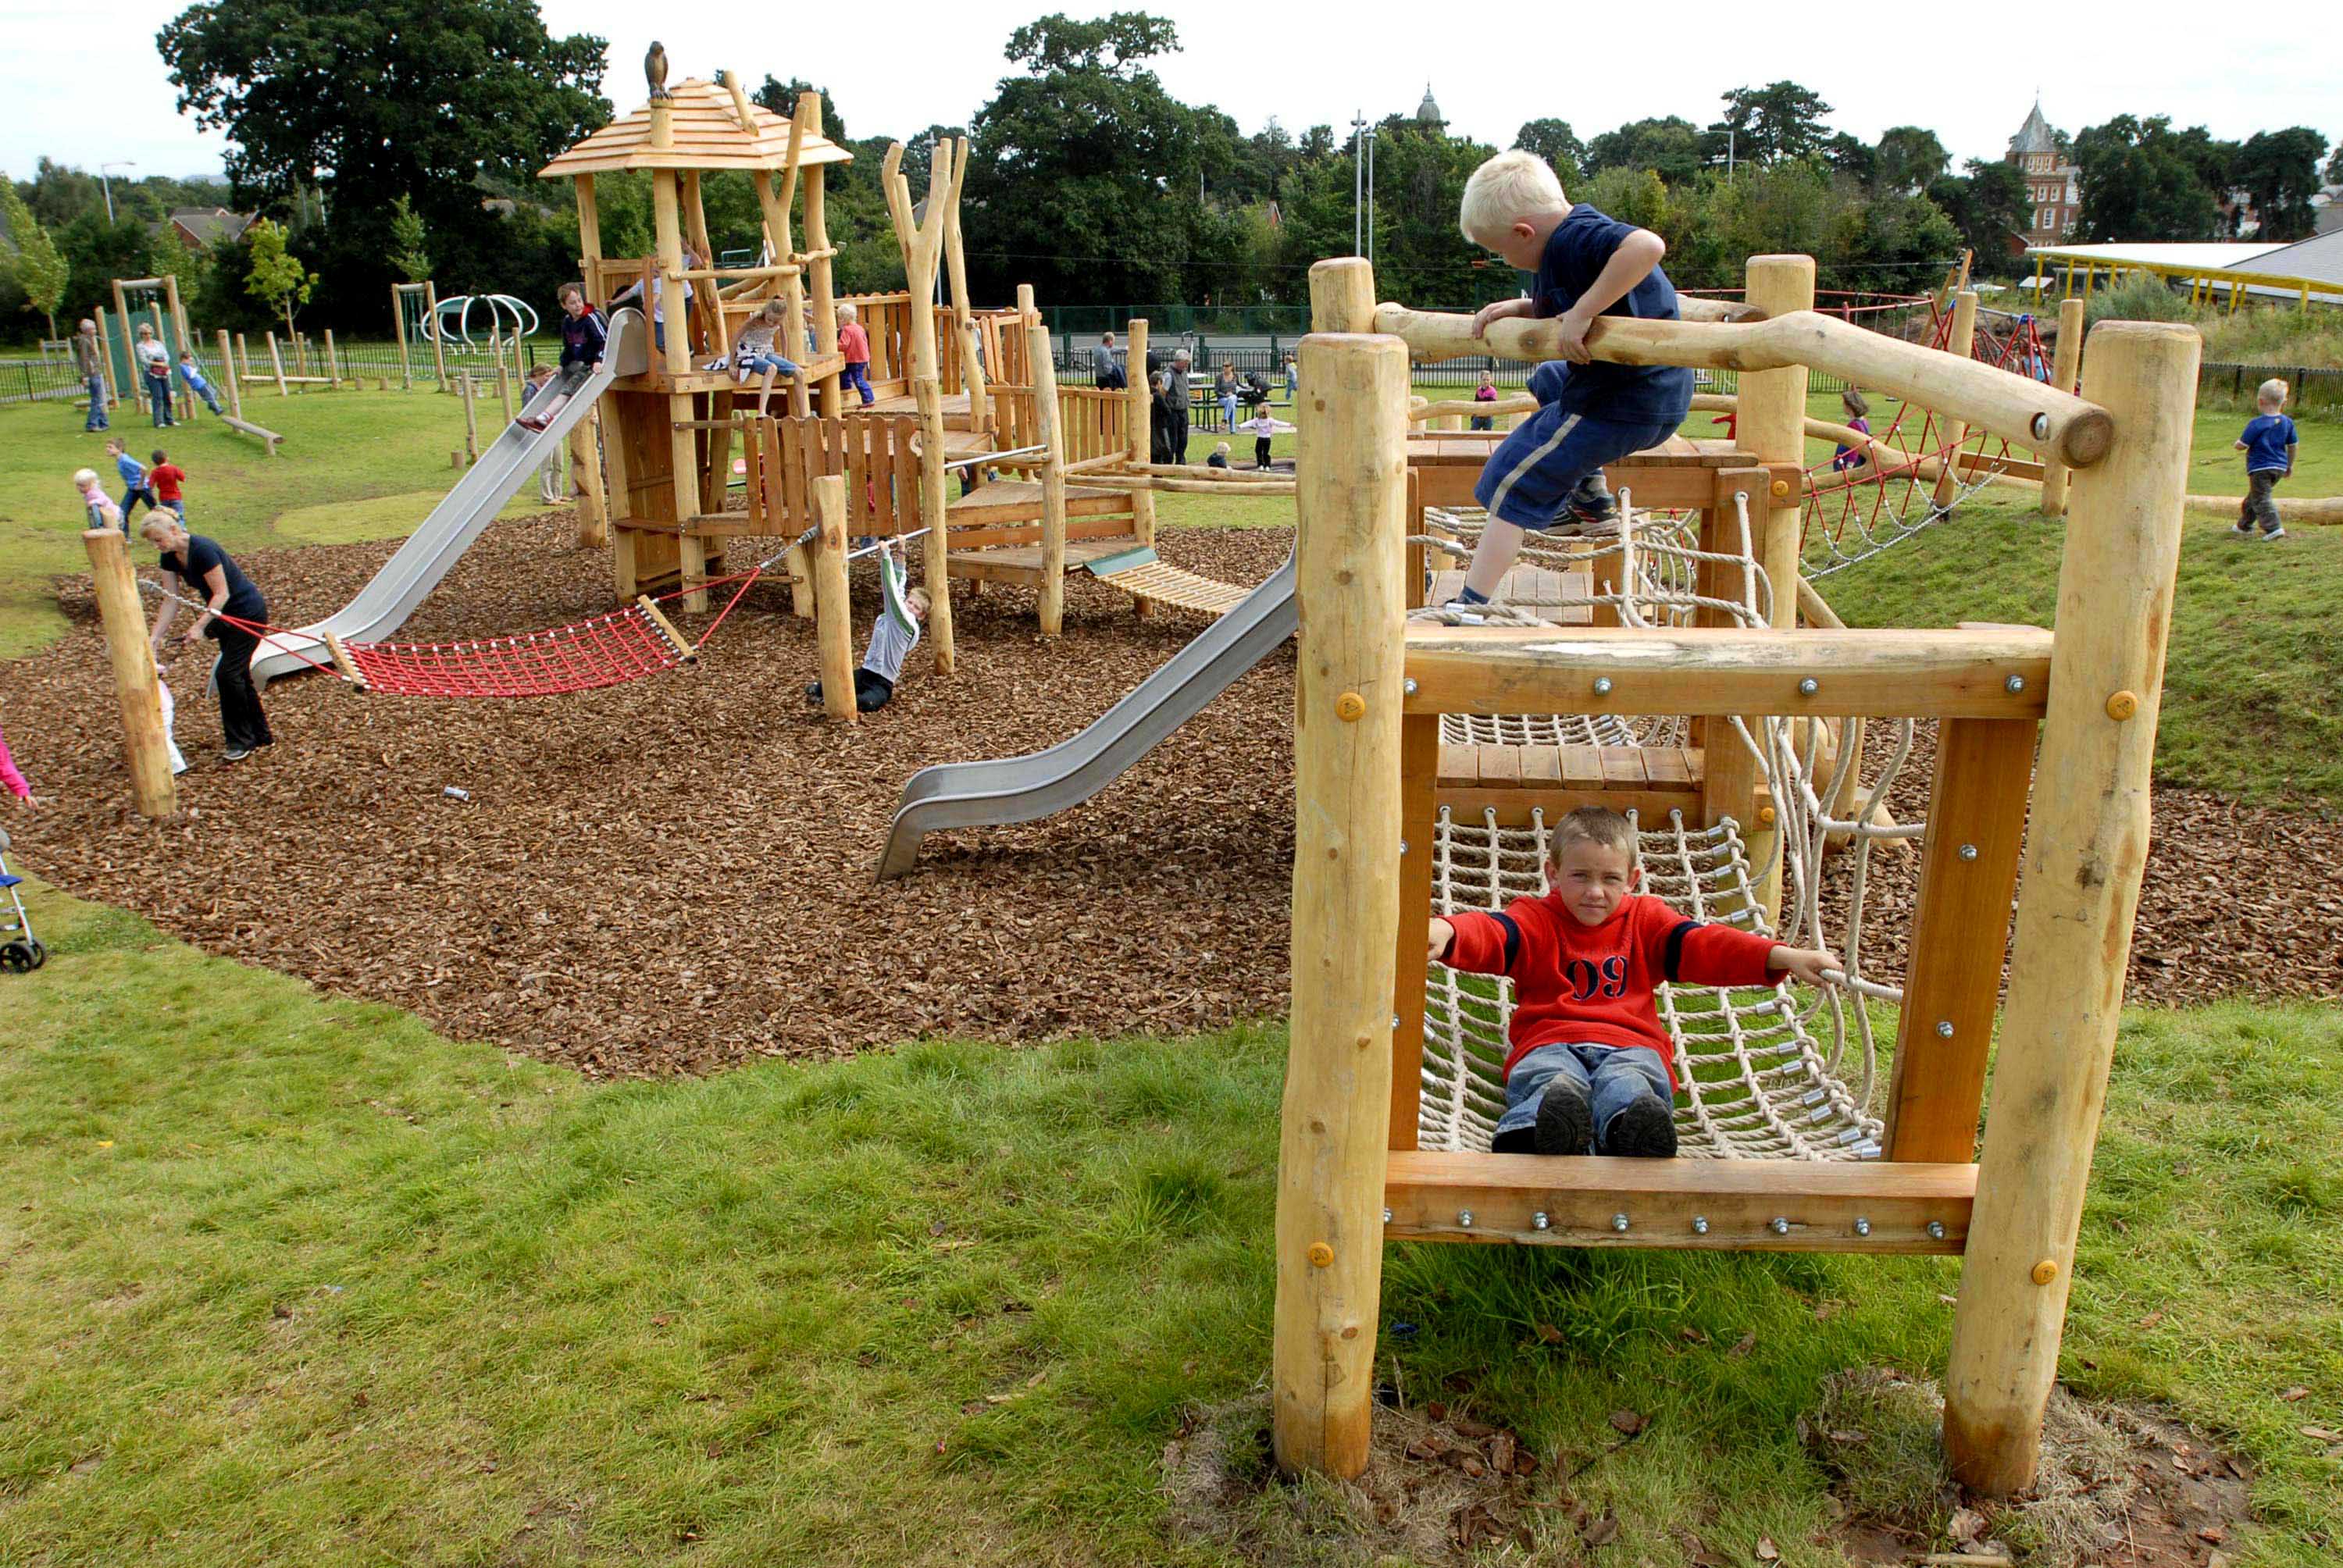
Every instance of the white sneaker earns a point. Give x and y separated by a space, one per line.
2241 530
2272 536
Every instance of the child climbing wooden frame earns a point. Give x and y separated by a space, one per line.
1365 677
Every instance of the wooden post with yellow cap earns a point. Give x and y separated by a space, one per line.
1350 564
2086 850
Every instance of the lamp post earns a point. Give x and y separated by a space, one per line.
1363 187
107 186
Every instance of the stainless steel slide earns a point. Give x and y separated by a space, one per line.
1025 788
410 576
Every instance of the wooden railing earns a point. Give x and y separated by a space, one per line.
1094 424
877 457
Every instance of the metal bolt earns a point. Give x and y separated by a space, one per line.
1619 1223
1395 1022
1408 686
1779 1226
1809 686
1402 849
1541 1220
1969 851
1700 1225
1936 1230
1862 1226
1945 1028
1602 685
2014 685
1465 1218
1387 1216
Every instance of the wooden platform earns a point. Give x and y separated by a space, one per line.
1019 501
657 379
904 406
1023 563
1537 589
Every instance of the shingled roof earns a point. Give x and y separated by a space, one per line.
706 134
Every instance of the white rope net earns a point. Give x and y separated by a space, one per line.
1765 1073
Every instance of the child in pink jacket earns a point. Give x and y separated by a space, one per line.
12 780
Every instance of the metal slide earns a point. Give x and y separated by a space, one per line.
410 576
1025 788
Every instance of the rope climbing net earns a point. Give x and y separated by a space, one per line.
1764 1073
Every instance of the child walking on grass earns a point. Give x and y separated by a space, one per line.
1587 265
135 487
1486 393
2268 442
168 481
1590 1070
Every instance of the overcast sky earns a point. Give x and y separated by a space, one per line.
82 84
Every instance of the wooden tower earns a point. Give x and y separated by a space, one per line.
669 433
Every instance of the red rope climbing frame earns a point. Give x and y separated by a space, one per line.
605 650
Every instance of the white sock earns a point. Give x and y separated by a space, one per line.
1500 545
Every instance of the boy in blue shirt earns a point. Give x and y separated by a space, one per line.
135 487
2268 443
1549 470
193 375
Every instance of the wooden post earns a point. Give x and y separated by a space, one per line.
585 478
105 357
1961 346
589 239
333 364
277 363
1351 555
1773 428
1141 409
691 549
2066 368
186 396
1049 422
833 609
244 358
431 326
471 422
2087 846
234 383
136 687
398 330
922 244
825 293
504 373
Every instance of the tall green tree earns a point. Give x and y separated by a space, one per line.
1909 158
40 269
1988 205
278 277
1557 142
2143 181
1853 156
782 98
410 252
2279 171
1779 120
1669 147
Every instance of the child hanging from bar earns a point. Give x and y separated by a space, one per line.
892 638
1549 469
1590 1070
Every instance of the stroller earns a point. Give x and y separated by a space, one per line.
1253 391
20 951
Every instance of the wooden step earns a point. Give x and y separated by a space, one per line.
1666 769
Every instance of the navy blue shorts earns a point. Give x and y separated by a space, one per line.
1530 475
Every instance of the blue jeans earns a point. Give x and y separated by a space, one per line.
204 391
1229 409
97 419
856 375
1530 475
1612 1078
135 494
158 393
757 364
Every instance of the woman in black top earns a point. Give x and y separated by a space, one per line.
213 578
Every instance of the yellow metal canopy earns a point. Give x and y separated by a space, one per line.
705 133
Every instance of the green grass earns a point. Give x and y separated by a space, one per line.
288 1280
340 449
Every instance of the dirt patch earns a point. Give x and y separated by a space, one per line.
2118 1486
1439 1487
675 876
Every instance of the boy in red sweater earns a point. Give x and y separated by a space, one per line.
167 479
1590 1069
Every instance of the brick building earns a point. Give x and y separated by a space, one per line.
2053 184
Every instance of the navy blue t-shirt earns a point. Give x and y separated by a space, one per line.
2266 438
1580 248
244 600
582 337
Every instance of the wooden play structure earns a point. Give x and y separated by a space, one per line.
159 299
1430 756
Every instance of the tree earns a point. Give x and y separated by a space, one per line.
2335 166
1060 43
1909 158
1669 147
410 246
1557 142
782 98
1780 120
41 272
2279 170
2142 181
277 275
1852 157
1987 208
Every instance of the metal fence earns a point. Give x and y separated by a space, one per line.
47 381
2310 385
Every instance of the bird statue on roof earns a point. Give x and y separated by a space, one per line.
655 71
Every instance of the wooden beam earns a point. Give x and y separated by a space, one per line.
1419 747
2066 371
1962 345
1351 555
1718 1205
2011 407
1702 670
2086 846
136 688
833 610
1141 410
1050 418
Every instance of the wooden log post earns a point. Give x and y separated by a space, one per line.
135 686
1772 430
277 363
922 245
2087 846
1962 345
1050 421
825 288
1141 410
232 384
471 420
2065 369
244 358
1350 554
585 479
503 374
833 609
431 326
105 357
398 331
683 448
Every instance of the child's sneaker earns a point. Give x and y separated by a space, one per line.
1564 1123
1646 1129
2241 530
2272 537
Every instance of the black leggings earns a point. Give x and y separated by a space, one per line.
1260 451
243 725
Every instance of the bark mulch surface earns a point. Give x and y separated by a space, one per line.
675 876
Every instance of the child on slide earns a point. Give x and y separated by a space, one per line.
585 339
1590 1070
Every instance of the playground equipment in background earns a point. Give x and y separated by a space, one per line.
414 310
158 297
1360 1157
500 306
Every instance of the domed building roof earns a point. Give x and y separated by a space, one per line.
1427 112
